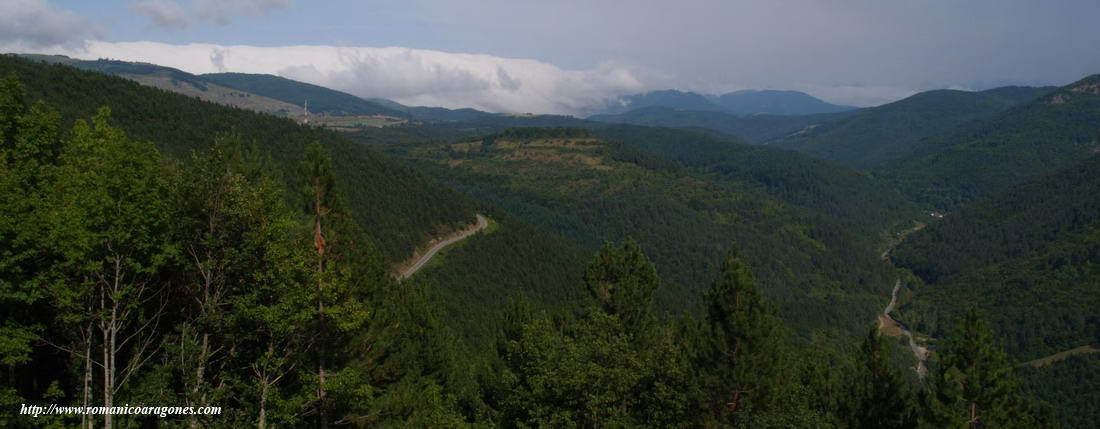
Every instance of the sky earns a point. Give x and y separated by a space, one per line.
577 56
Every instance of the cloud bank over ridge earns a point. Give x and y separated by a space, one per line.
410 76
37 24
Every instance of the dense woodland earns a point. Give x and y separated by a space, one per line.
160 250
869 138
687 213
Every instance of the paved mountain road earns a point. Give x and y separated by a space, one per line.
481 224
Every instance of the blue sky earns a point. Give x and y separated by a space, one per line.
570 56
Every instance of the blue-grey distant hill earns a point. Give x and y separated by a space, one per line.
870 138
669 98
752 102
753 129
741 103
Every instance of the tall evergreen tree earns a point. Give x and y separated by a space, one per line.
881 395
975 384
621 282
339 302
742 355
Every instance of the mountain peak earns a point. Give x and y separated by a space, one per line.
775 102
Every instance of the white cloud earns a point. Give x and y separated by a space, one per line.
163 13
36 24
409 76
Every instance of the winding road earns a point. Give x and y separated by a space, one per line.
482 222
919 351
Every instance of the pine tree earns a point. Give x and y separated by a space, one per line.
975 384
742 355
339 302
881 395
621 282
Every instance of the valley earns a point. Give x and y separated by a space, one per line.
519 270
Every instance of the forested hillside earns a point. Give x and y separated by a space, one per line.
1044 135
321 99
812 231
400 207
1029 259
868 138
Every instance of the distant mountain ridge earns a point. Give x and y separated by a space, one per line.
741 103
773 102
753 129
321 99
869 138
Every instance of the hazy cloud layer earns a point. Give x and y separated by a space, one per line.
163 13
410 76
36 24
850 51
224 12
170 14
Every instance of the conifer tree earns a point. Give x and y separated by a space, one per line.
339 304
621 282
741 356
881 396
975 384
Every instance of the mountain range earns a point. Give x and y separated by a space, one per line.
740 103
964 200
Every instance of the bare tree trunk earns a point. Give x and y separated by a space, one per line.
85 421
268 375
117 322
263 404
108 383
199 374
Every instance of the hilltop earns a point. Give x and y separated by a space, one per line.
773 102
